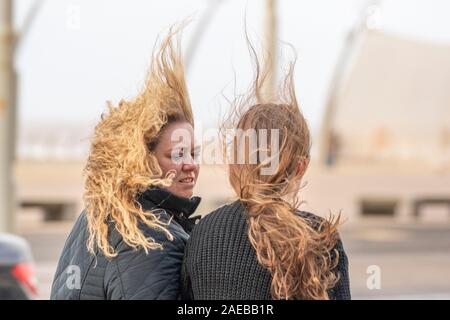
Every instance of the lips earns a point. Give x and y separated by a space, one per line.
187 180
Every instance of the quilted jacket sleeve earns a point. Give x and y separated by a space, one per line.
135 275
72 263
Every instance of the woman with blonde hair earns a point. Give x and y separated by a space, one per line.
129 241
261 246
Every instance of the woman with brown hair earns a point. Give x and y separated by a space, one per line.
129 241
261 246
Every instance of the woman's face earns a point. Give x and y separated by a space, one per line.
176 155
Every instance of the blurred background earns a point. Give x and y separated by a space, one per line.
372 78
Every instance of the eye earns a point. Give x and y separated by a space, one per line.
195 154
178 154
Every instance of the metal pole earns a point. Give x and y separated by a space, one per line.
7 115
327 136
270 26
201 28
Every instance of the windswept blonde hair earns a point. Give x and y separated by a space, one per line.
121 164
297 250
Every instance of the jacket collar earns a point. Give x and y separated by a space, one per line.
159 198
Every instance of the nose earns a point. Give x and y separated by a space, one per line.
189 163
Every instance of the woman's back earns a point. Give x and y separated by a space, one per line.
220 262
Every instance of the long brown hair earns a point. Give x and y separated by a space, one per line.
297 250
121 164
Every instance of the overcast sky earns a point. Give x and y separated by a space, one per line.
81 53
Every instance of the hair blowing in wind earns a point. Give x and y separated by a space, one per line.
121 165
297 251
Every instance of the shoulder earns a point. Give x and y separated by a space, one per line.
175 243
314 220
142 262
228 214
75 245
154 234
318 223
226 223
128 258
235 212
74 253
234 208
136 274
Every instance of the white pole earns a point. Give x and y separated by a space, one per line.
7 116
199 31
328 139
270 34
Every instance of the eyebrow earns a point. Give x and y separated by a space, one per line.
197 148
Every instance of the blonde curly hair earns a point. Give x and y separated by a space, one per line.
121 165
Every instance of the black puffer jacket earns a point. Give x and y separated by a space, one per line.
221 263
132 274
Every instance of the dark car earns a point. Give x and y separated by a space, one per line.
17 276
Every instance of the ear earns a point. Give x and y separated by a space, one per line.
302 165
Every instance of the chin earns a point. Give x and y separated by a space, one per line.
182 191
183 194
187 194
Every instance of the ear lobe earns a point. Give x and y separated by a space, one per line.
298 169
302 165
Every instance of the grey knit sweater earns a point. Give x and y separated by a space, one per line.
220 262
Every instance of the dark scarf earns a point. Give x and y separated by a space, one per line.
179 208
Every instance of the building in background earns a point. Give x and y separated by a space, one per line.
388 152
384 146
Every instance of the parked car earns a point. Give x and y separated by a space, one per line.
17 274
